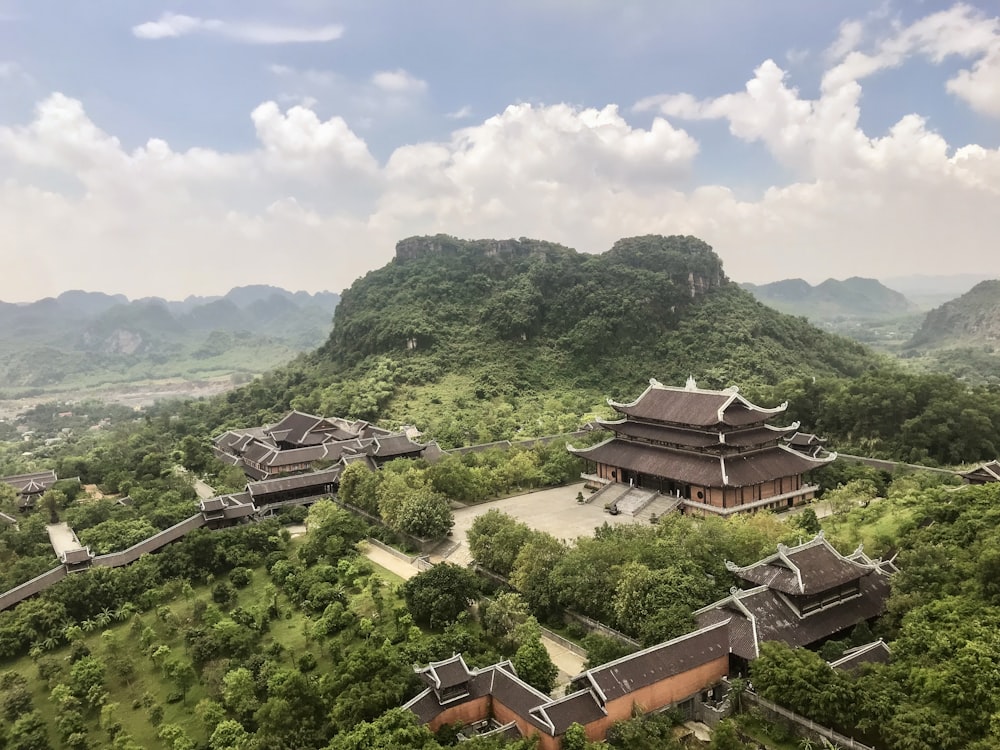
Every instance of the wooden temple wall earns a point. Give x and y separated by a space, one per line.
660 694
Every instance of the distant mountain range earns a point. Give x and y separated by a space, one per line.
851 298
970 320
80 334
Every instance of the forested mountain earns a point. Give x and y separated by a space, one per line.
526 313
89 334
481 340
851 298
971 320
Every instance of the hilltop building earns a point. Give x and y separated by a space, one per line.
983 474
300 442
713 450
801 596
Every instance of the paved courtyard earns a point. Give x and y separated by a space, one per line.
555 511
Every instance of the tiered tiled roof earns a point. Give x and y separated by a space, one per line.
695 406
701 438
299 440
705 469
773 610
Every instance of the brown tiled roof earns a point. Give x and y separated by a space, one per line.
622 676
36 482
581 707
395 445
988 472
741 470
513 692
661 433
809 568
875 652
294 426
805 439
317 479
446 673
756 436
694 406
775 620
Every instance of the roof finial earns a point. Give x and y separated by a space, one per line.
691 385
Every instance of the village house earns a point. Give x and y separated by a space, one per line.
713 450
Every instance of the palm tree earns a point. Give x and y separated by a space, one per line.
103 618
806 744
89 626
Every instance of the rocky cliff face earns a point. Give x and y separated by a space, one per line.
413 248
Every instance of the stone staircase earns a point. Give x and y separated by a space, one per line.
659 506
635 500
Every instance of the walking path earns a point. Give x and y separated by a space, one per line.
62 538
568 663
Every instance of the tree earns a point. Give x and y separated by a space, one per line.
86 681
725 737
28 733
229 735
425 514
501 615
808 522
495 539
437 596
239 692
532 572
534 665
359 486
396 728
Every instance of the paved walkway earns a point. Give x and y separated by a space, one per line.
203 490
568 663
390 562
62 537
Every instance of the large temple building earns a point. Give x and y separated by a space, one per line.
801 596
713 450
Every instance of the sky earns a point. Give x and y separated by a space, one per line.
186 147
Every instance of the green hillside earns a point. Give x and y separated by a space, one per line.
517 322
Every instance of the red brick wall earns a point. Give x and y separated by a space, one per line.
663 693
467 713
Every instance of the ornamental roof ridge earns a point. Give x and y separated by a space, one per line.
783 554
828 458
572 449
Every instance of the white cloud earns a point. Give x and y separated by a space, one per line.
398 81
171 25
299 140
462 113
980 87
310 201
